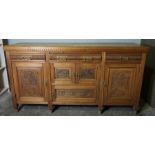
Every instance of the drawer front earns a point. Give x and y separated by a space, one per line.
76 57
123 58
62 73
74 95
27 57
88 73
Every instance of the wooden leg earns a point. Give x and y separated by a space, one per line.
20 107
101 109
136 108
51 107
15 105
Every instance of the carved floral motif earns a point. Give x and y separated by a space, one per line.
30 83
62 73
120 84
27 57
87 74
77 93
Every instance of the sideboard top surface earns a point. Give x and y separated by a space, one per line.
97 46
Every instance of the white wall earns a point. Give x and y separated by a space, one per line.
3 64
136 41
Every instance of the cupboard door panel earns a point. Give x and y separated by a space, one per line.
119 85
29 81
62 73
87 73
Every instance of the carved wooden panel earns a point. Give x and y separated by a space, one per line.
123 58
87 74
82 57
27 57
62 73
75 93
120 83
29 80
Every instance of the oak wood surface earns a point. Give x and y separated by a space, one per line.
76 74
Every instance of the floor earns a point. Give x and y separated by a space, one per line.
6 109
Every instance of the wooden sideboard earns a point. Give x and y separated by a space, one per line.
76 74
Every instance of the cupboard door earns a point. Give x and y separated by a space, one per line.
87 73
120 84
62 73
29 81
74 95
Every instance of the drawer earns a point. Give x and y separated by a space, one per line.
73 95
27 57
76 57
123 58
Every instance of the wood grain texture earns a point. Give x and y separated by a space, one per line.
120 83
29 81
74 74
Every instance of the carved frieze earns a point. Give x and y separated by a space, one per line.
27 57
123 57
64 57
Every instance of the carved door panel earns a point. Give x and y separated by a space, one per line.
74 95
63 73
87 73
29 81
119 85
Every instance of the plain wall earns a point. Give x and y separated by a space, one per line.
14 41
